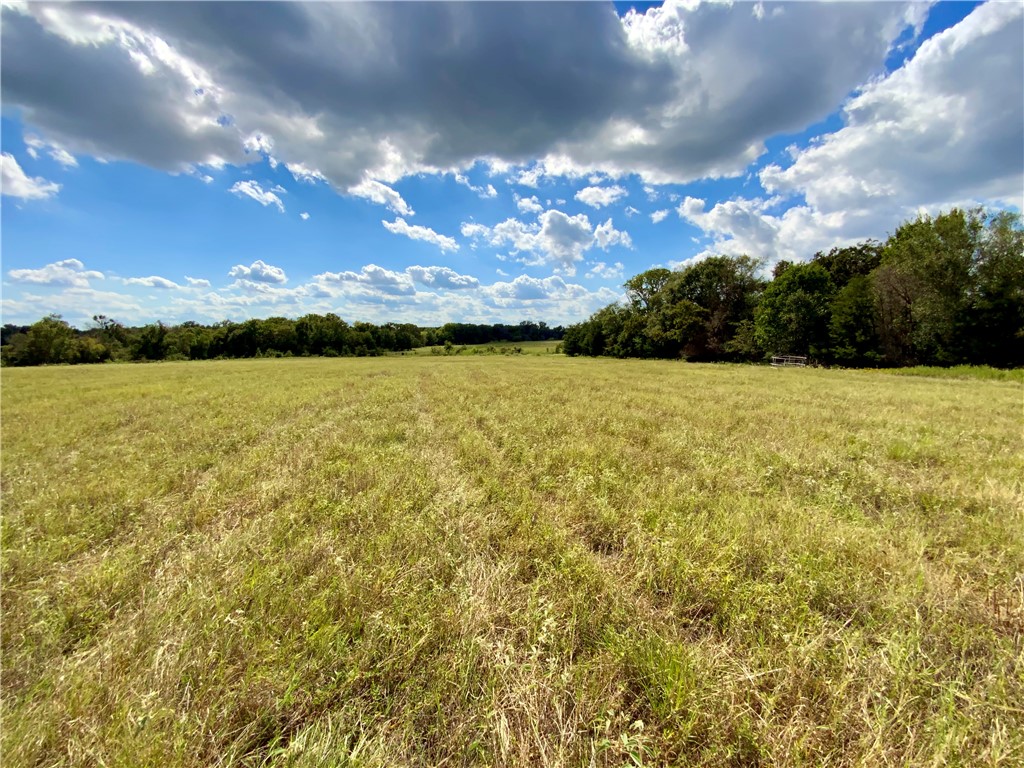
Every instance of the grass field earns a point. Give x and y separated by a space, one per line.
510 561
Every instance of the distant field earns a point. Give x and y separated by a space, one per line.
510 561
497 347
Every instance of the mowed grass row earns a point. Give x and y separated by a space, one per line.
530 561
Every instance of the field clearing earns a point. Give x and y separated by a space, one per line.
494 347
510 561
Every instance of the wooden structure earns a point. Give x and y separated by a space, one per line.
781 361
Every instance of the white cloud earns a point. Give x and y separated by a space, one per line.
381 194
528 204
551 298
69 272
15 183
251 189
473 229
304 216
442 277
415 232
945 129
605 271
631 211
260 272
556 239
258 143
529 177
947 126
153 281
606 235
659 216
426 295
483 192
77 305
526 288
197 282
599 197
300 172
266 291
34 144
372 276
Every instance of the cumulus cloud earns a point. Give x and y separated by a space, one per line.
304 216
679 92
930 133
415 232
372 276
606 235
526 288
426 295
153 281
528 204
259 272
925 138
16 183
251 189
606 271
381 194
68 272
659 216
555 239
599 197
442 277
77 305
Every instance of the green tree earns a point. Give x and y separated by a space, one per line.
793 316
844 264
150 343
643 290
995 306
922 288
853 325
51 340
726 289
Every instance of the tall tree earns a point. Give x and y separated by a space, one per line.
923 287
793 315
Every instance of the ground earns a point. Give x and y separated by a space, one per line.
510 561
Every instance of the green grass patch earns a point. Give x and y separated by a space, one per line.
509 561
970 372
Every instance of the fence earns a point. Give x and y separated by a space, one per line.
780 361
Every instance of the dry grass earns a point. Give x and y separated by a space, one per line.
530 561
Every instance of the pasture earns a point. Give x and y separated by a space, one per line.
510 561
493 348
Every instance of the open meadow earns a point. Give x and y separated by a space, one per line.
501 560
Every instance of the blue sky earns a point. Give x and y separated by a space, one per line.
475 162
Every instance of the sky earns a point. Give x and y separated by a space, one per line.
475 162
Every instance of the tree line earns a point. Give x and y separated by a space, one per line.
940 291
52 340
